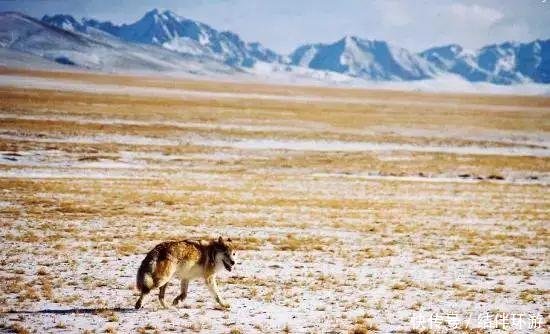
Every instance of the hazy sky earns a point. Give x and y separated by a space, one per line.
284 24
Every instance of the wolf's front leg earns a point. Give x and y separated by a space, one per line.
213 288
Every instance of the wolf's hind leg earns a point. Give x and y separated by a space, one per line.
140 300
162 290
183 293
213 288
164 271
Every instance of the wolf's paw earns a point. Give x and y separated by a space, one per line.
138 305
163 305
224 306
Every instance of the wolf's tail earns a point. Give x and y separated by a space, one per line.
144 279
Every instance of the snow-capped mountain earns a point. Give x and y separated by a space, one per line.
363 58
65 22
505 63
176 33
24 34
164 41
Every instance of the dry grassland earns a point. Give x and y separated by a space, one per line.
349 216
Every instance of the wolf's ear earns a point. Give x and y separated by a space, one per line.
220 240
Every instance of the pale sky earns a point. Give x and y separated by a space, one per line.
285 24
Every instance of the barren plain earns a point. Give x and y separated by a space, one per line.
352 210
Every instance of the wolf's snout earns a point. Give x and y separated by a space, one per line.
227 264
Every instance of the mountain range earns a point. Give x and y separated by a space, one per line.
22 36
164 41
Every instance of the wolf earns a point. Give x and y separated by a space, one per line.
188 259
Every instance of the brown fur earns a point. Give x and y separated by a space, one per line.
187 258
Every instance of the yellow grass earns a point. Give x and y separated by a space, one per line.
300 211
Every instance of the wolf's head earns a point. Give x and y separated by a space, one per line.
223 253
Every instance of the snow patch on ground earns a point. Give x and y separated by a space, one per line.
443 83
334 145
77 86
293 145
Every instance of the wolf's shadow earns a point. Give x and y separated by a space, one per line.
74 311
